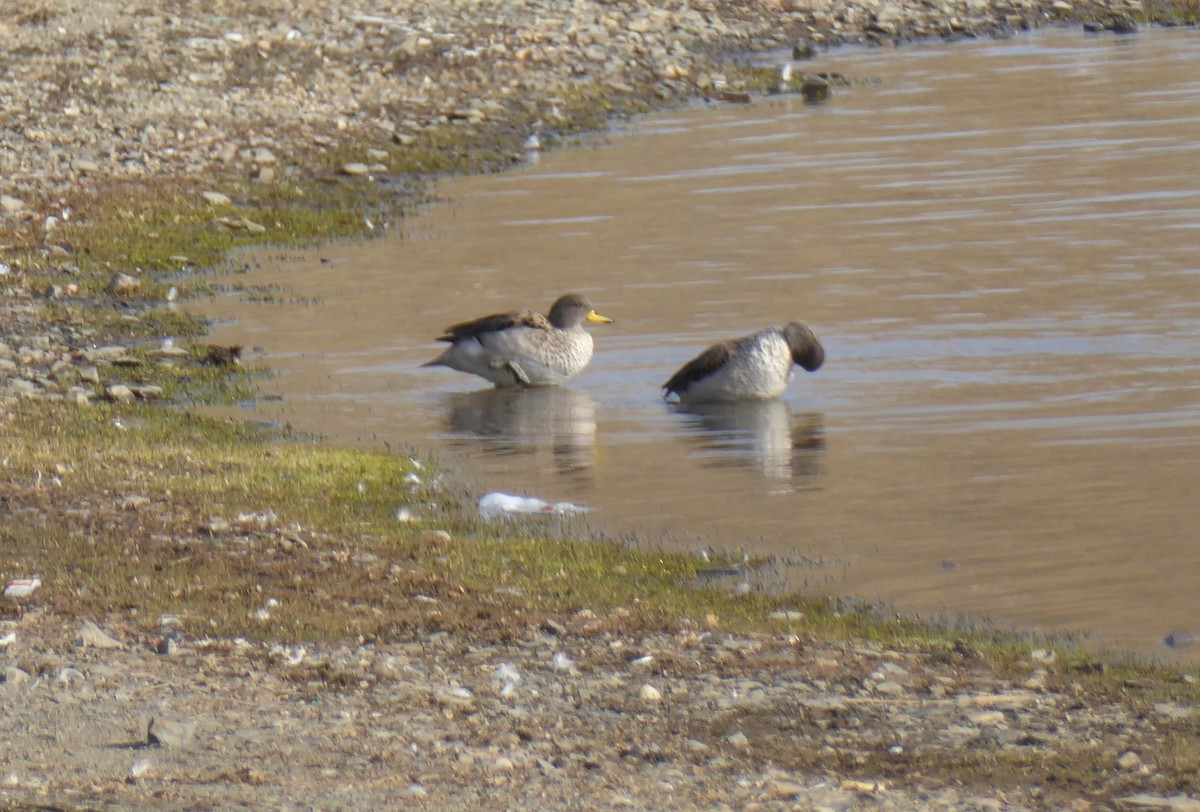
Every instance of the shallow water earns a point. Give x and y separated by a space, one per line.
996 242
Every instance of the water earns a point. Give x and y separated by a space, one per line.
996 242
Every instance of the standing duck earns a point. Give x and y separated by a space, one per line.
526 348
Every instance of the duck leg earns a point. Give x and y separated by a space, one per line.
515 370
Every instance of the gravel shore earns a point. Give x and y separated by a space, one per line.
573 713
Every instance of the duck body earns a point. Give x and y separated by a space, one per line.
755 367
523 348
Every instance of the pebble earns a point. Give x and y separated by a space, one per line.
122 284
15 678
738 740
216 198
355 169
120 393
92 635
650 695
170 733
1129 761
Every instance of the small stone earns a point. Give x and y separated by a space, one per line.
123 284
436 537
803 50
263 156
264 174
216 198
650 695
890 688
11 204
164 732
85 165
216 526
14 677
1129 761
92 635
738 740
1159 803
986 718
503 764
1124 25
355 168
783 791
120 393
814 89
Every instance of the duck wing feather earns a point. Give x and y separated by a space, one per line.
494 324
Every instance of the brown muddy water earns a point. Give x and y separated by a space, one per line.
998 243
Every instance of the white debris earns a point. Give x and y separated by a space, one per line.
22 587
291 655
562 662
507 678
503 504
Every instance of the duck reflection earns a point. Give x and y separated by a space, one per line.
762 435
549 420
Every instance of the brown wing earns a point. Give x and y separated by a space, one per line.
700 367
495 323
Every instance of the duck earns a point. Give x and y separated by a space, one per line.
754 367
525 348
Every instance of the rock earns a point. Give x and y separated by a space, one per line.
738 740
1123 25
168 733
783 791
986 718
15 678
650 695
23 388
890 688
815 89
215 198
263 156
9 203
1129 761
1159 803
91 635
356 169
803 50
85 165
122 284
120 393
